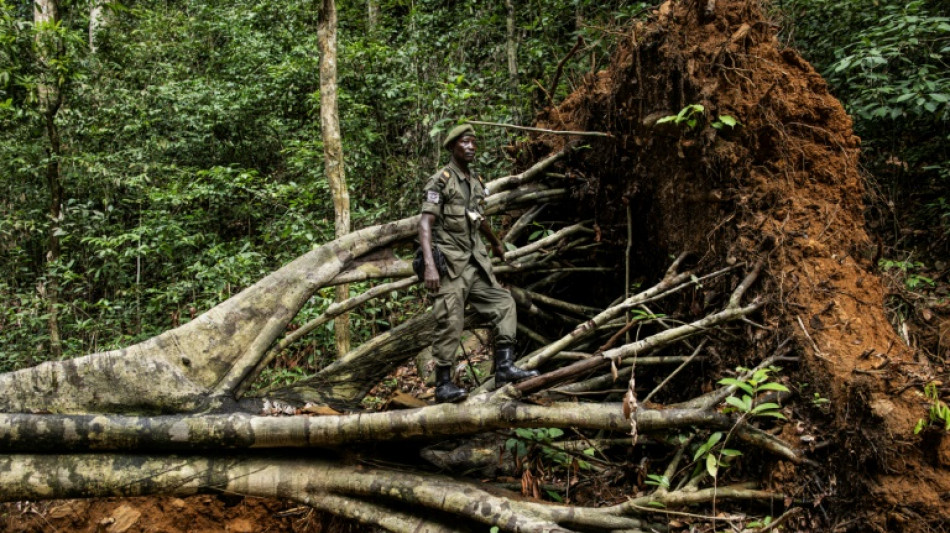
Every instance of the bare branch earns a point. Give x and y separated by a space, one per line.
540 130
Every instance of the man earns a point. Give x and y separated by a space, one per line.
452 216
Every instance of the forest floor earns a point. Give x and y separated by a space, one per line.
194 514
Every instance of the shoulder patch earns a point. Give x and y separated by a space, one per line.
432 197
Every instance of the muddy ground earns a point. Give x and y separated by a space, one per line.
196 514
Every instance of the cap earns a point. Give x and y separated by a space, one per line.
455 133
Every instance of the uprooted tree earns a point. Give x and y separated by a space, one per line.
713 346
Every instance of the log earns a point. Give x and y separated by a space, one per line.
31 432
192 367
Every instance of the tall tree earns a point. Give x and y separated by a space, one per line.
49 50
333 149
512 46
372 15
97 20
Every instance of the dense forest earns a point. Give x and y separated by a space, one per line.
191 157
190 154
157 158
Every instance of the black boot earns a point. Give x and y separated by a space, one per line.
505 370
445 390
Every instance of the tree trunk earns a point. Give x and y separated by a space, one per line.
197 365
372 15
191 369
333 151
45 433
97 21
305 480
49 48
511 47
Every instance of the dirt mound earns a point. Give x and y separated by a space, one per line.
784 182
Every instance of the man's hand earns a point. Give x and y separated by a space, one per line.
432 277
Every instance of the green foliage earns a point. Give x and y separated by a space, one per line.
939 412
724 121
192 162
689 116
658 480
888 61
714 455
907 269
539 233
541 438
760 381
765 522
642 315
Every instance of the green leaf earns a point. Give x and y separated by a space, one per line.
728 120
708 445
555 433
658 480
766 407
729 452
739 404
773 386
843 64
712 465
740 384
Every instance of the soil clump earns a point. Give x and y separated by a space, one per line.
193 514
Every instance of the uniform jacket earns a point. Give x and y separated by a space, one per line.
449 195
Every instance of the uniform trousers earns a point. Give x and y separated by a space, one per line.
487 298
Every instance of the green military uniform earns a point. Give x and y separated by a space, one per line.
458 203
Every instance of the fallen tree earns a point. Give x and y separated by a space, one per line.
661 404
123 402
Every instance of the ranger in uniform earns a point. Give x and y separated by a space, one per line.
453 213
